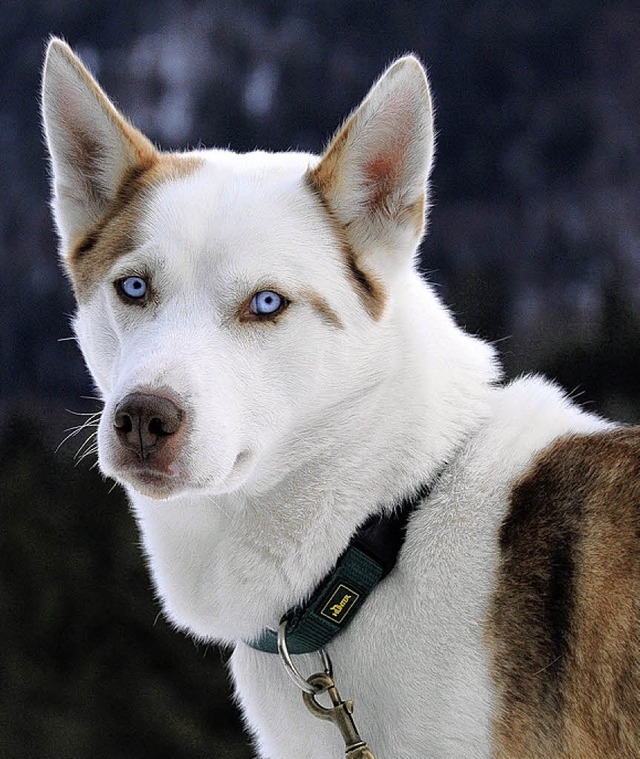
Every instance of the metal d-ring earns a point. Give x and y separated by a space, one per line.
291 668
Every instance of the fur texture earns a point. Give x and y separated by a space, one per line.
253 444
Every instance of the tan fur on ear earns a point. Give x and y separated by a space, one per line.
93 148
373 175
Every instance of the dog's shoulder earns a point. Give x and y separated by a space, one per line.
565 617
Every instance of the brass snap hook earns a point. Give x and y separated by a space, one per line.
339 713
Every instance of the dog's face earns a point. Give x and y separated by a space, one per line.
231 324
232 307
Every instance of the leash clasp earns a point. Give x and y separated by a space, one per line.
339 713
322 682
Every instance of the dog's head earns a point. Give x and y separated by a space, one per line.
229 305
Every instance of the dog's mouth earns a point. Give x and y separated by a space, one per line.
162 485
152 483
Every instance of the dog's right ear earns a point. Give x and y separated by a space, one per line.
93 148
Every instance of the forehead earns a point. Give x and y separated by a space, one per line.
236 209
212 207
257 215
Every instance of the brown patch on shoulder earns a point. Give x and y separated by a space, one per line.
369 289
117 232
564 622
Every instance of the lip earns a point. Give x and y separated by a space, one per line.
238 473
161 485
152 482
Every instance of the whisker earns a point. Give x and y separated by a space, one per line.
90 444
73 432
93 449
94 466
90 423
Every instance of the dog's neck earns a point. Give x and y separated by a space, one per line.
228 566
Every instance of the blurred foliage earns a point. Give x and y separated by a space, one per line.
88 666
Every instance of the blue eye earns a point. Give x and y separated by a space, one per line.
133 287
266 303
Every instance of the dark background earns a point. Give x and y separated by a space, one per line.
534 241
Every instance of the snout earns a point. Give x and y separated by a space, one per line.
145 423
161 445
149 430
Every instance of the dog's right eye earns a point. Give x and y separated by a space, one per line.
266 303
132 288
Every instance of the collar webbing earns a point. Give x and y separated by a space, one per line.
369 557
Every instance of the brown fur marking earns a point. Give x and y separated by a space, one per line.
564 623
415 214
324 177
117 232
370 290
323 308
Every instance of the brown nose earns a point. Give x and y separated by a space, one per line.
143 422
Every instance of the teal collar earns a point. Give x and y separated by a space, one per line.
370 556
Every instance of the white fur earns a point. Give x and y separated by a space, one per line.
299 430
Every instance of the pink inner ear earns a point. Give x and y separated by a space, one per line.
394 127
385 173
381 169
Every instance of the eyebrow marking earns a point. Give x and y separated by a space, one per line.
322 307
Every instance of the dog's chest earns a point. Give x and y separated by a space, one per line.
413 660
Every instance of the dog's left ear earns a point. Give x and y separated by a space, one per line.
373 175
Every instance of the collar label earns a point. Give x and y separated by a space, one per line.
340 603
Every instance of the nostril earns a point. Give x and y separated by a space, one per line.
157 427
123 423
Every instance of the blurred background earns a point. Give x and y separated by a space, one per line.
534 241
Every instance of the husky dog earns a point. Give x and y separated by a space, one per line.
275 372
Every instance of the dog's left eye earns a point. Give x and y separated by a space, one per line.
266 303
132 288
